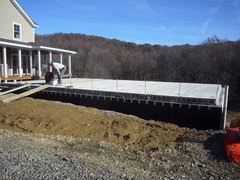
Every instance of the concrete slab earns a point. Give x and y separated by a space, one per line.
189 90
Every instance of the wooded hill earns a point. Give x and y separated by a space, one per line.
213 61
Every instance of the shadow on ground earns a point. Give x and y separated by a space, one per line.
215 144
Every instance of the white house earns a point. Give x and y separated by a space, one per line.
20 57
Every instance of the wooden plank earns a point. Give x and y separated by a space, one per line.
16 78
24 78
5 96
25 94
15 89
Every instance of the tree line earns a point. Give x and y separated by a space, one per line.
213 61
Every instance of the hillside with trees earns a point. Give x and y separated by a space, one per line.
213 61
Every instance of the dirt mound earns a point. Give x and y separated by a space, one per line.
51 118
234 119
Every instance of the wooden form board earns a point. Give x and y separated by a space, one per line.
5 96
25 94
24 78
15 89
16 78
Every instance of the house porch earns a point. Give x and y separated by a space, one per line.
27 62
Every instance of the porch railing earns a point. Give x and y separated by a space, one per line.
14 70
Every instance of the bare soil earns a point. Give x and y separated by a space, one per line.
55 118
234 118
122 144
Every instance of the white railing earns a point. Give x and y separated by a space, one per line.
14 70
1 70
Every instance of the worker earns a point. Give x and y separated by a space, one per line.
58 69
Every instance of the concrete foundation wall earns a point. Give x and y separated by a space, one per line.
199 116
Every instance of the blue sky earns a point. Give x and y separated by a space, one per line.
164 22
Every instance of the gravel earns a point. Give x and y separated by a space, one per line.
25 157
34 156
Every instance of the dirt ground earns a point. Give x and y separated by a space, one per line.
234 119
120 144
56 118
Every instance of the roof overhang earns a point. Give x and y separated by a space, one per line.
55 49
34 47
20 9
12 44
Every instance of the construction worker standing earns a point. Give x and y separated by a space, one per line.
59 69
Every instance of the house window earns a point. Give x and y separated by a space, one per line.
16 31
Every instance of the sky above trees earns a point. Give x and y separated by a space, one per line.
141 21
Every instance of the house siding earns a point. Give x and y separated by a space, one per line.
9 15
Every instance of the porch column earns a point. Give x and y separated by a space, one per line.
61 58
50 59
31 62
5 62
70 64
20 63
39 64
